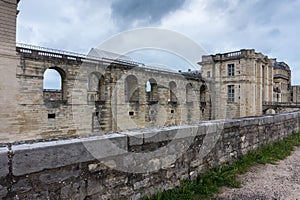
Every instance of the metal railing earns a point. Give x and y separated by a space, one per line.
49 50
55 53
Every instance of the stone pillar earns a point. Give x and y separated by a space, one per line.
8 68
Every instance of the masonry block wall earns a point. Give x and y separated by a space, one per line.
8 66
296 94
68 169
99 96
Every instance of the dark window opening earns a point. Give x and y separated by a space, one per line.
172 111
203 93
51 116
131 113
189 93
208 74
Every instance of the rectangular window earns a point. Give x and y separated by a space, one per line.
131 113
230 93
230 69
51 116
208 74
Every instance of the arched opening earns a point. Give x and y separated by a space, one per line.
189 93
203 94
53 84
269 111
152 90
131 89
172 92
96 87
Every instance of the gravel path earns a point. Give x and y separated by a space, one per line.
280 181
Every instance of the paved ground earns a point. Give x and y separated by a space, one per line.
280 181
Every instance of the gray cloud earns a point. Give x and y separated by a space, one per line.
219 25
142 11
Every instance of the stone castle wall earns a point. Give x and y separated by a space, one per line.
95 97
67 169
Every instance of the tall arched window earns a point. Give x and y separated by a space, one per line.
172 92
189 93
93 82
203 95
152 90
131 89
53 84
96 87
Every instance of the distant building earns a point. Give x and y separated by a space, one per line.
282 82
295 94
241 82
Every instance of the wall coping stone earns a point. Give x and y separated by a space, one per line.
30 158
4 162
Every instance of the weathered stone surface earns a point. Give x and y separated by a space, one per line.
3 162
171 133
29 158
59 176
134 137
95 186
67 169
74 191
22 186
3 191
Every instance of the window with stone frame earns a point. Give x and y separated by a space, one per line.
230 93
230 69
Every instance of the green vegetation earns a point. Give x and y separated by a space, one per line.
207 184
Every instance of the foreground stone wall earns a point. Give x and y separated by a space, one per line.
132 164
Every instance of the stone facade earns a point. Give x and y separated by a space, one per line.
244 82
249 76
70 169
99 96
296 93
282 82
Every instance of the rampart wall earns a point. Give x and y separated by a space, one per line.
132 164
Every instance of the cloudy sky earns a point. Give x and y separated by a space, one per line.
271 27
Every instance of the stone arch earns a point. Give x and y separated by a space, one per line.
172 92
270 110
131 89
152 90
96 87
203 95
189 93
54 83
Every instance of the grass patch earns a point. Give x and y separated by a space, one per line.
207 184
